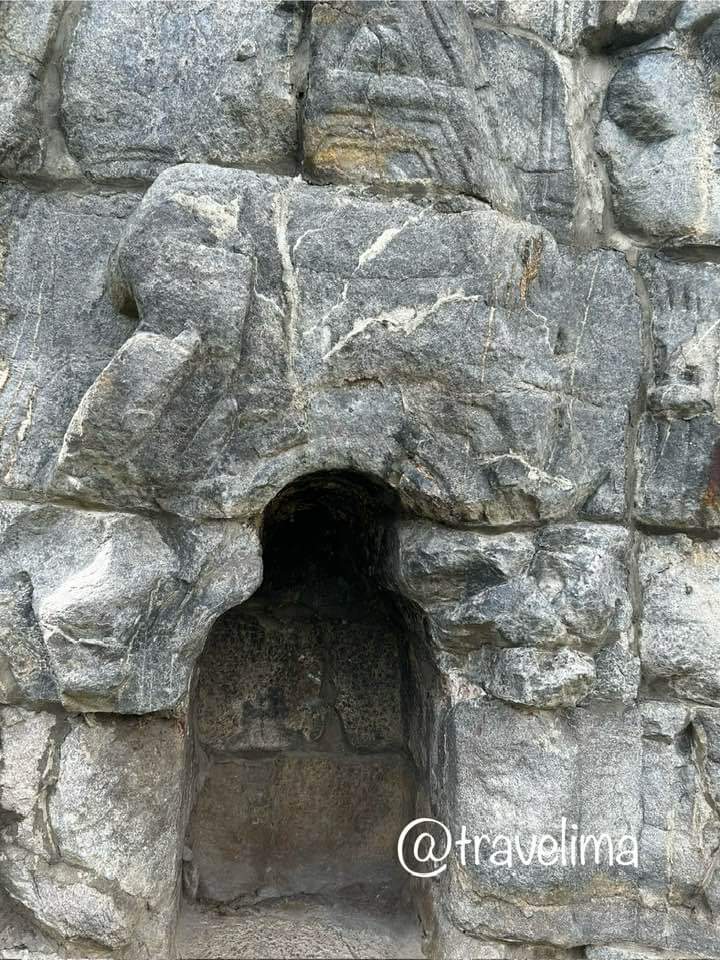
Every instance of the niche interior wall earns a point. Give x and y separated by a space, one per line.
359 462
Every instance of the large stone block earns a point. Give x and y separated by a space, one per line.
392 99
500 400
614 771
92 826
106 611
524 615
59 328
528 95
300 821
27 31
410 95
659 136
679 647
678 454
150 85
571 24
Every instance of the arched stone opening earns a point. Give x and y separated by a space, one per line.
305 704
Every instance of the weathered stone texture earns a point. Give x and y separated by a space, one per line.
26 34
659 118
59 328
523 615
680 583
289 822
449 272
678 461
105 611
92 812
210 82
412 94
499 400
595 24
595 767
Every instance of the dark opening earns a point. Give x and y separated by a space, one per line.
304 778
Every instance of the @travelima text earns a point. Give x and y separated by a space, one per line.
425 846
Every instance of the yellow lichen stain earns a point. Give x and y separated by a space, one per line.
348 158
360 146
712 491
531 257
709 499
325 15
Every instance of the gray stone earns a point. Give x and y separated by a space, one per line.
617 672
679 650
528 93
19 939
26 774
563 775
418 301
681 827
449 943
111 610
117 807
679 476
612 780
26 34
631 951
663 720
564 587
582 569
66 902
327 352
570 24
406 94
91 816
392 98
697 14
297 927
187 87
678 468
59 328
658 136
536 678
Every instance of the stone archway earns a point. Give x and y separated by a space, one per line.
305 765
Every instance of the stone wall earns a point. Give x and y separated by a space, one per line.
459 263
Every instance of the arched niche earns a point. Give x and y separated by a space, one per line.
308 758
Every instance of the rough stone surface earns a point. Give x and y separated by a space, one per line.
217 83
411 94
680 582
333 318
92 810
59 328
359 461
294 929
268 827
659 135
678 458
26 34
524 614
594 24
618 779
108 611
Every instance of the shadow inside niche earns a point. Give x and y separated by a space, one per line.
303 703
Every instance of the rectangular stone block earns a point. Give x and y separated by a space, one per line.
195 82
